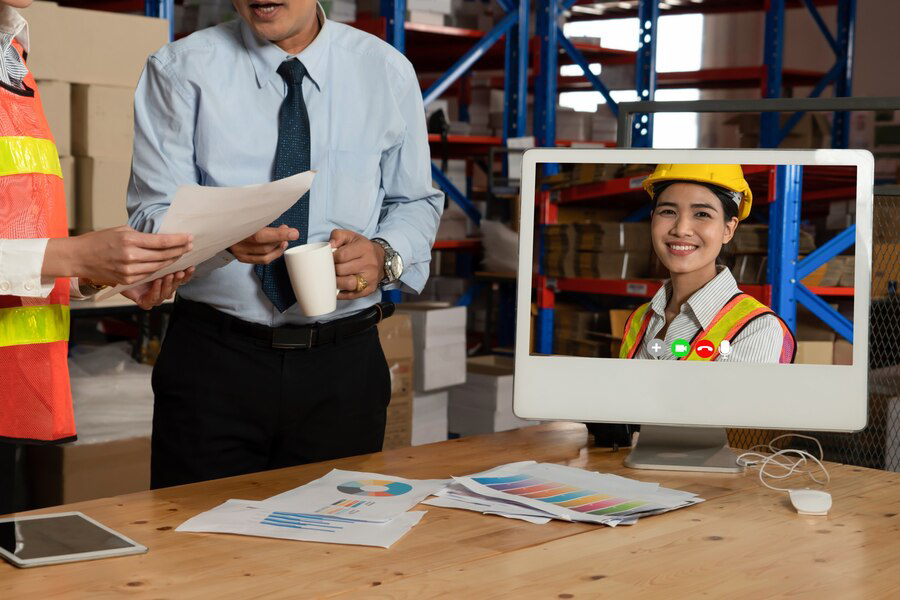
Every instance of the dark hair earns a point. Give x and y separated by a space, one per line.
729 209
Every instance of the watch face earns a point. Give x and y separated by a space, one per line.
396 266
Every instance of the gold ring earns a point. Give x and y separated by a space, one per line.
361 283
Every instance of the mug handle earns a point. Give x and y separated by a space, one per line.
337 292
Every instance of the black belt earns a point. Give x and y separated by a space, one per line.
293 337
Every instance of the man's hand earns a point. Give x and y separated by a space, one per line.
119 255
356 255
153 293
265 245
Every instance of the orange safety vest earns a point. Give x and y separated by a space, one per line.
728 322
35 397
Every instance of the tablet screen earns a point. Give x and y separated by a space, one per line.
56 536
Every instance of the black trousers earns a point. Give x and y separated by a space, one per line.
226 404
7 478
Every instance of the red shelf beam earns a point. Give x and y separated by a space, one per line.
469 244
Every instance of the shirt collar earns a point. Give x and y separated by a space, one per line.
14 25
706 302
266 56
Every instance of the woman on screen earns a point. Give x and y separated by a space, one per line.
700 313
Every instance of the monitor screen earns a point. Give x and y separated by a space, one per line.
725 268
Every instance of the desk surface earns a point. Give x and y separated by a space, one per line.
745 541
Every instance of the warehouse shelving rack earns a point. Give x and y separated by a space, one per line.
771 77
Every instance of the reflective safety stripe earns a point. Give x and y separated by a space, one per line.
734 315
22 325
27 155
634 330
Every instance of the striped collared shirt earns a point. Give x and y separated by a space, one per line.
760 341
12 27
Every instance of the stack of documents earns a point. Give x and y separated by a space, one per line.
538 492
343 507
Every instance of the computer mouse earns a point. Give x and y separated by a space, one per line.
810 502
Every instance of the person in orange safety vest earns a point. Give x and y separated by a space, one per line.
700 313
40 266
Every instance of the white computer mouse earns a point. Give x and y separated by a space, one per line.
811 502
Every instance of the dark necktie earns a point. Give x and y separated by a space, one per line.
291 157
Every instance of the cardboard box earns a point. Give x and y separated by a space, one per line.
885 269
56 99
754 239
439 341
91 46
618 317
398 428
489 385
424 17
429 418
843 352
395 335
465 420
812 131
67 165
613 265
74 472
102 121
815 353
101 187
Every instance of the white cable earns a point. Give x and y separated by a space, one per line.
754 458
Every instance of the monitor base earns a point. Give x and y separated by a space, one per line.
671 448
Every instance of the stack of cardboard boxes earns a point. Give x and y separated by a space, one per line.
439 343
606 250
88 63
396 338
484 403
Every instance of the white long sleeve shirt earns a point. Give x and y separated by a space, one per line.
21 261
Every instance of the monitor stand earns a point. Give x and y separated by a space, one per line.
671 448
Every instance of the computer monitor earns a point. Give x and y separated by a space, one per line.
697 289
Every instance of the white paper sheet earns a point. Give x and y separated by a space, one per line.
575 494
247 517
485 509
219 217
356 495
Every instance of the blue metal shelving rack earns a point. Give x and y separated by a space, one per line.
785 272
840 75
164 9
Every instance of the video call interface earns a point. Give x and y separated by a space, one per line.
673 262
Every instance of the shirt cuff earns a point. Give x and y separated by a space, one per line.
413 279
21 262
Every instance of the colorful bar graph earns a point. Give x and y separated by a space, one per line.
563 495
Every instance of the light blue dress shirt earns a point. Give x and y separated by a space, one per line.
206 112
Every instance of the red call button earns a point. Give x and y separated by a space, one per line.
705 349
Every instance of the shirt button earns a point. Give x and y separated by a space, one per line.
28 286
4 286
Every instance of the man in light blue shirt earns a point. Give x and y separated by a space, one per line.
245 381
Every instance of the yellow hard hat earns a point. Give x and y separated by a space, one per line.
730 177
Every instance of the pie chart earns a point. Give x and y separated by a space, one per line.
374 487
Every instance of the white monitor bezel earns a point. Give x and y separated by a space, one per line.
811 397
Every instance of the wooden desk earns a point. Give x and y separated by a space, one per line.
744 542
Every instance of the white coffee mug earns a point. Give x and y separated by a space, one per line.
311 268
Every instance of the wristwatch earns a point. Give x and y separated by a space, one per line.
393 263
